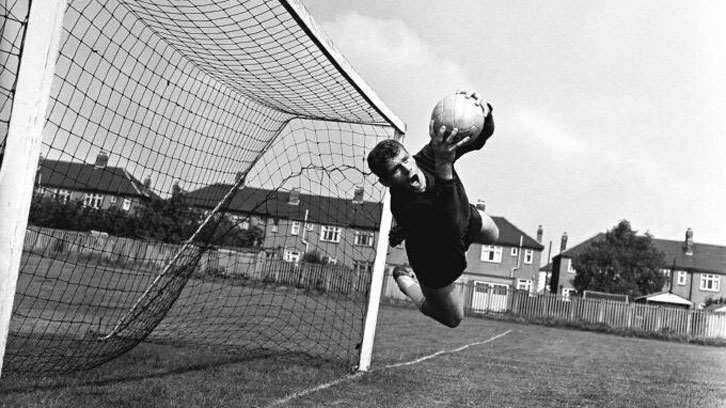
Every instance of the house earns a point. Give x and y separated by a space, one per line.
338 230
513 262
95 185
693 271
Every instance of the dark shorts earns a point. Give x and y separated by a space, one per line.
444 268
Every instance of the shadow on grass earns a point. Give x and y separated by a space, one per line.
151 361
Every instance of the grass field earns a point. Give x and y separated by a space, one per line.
529 366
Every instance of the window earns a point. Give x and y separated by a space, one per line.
275 223
567 293
570 268
514 251
295 228
245 225
491 253
681 278
126 204
63 196
524 284
363 266
363 238
292 256
329 233
113 200
711 283
330 260
528 256
93 200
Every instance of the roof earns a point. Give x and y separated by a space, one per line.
510 235
88 177
705 258
323 210
274 203
716 308
665 297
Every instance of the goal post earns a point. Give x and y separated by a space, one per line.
22 143
186 172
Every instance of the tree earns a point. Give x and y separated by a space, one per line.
623 263
167 220
222 230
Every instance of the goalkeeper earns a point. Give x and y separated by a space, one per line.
433 215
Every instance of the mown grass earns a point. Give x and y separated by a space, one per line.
531 366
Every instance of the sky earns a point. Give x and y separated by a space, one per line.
604 111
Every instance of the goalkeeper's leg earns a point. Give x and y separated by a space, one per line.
444 305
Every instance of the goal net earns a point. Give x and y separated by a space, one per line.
202 181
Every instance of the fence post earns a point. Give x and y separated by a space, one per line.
515 301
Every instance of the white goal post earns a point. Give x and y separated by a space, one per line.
22 148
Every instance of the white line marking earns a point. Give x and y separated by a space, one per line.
438 353
358 374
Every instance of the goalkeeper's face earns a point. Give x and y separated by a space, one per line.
402 173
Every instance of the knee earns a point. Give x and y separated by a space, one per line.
453 320
489 233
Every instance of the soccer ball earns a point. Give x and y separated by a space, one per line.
458 111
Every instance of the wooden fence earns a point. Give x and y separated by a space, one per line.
618 315
695 324
151 256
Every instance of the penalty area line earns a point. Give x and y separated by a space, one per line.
359 374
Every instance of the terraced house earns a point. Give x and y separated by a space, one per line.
96 185
296 226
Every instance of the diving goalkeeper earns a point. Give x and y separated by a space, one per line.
433 215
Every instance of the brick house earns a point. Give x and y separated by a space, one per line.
513 262
340 231
694 272
95 185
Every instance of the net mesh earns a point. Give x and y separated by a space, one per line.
202 181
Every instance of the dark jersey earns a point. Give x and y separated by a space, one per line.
440 223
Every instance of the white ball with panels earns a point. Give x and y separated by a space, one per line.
458 111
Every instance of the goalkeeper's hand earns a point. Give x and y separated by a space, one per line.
396 235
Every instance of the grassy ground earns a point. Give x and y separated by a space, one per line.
530 366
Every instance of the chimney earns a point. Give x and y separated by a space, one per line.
147 182
358 195
294 198
176 189
540 232
689 242
480 205
101 160
563 243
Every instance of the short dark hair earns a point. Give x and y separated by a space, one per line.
385 150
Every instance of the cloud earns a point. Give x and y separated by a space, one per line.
408 73
375 45
533 126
